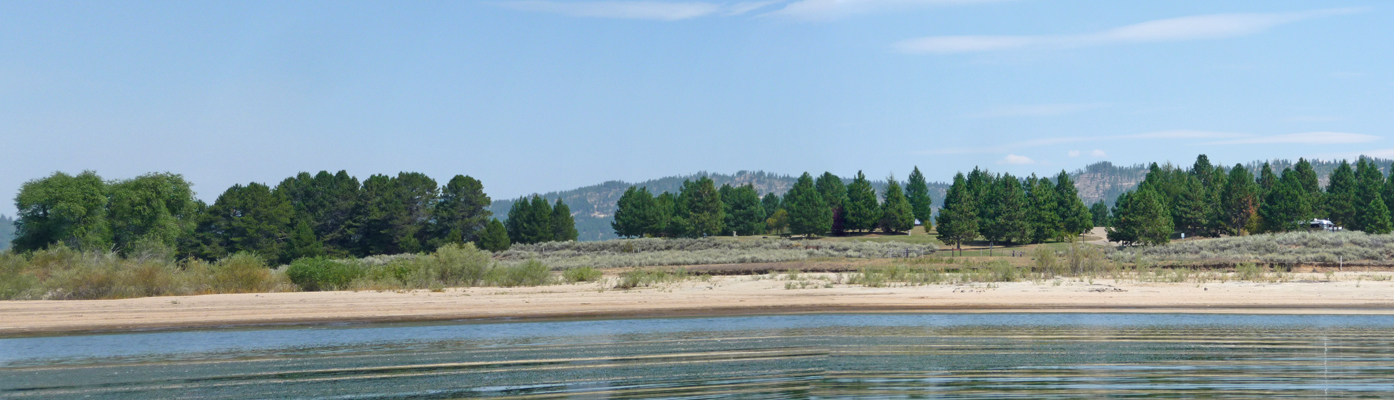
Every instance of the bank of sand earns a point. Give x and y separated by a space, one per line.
1348 293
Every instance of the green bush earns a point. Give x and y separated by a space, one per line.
582 274
322 274
530 273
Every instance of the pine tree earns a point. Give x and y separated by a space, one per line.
808 213
1308 178
896 214
1239 200
1122 225
1340 201
1152 222
1044 214
862 210
634 213
1215 217
917 191
1074 215
518 215
302 244
1099 213
771 203
539 227
563 225
746 215
979 182
958 220
1188 208
1286 207
701 209
463 208
667 221
1369 184
329 203
835 194
1008 214
495 237
1376 217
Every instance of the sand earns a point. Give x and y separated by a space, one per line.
1347 293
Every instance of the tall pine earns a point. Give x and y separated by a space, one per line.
896 214
862 211
1008 212
917 191
563 225
1340 201
958 219
1044 214
835 194
808 213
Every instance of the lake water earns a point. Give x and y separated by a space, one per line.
798 356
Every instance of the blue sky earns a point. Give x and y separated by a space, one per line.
534 96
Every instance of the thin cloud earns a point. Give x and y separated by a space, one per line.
1185 134
1097 153
1312 118
1306 138
1037 110
1199 27
1017 160
1074 153
651 10
834 9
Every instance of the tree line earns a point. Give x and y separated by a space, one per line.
304 216
1007 209
811 207
1207 200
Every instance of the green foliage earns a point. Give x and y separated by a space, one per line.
1374 217
832 190
529 273
396 213
1286 206
979 187
65 209
462 212
1044 214
581 274
862 212
322 274
1369 183
896 213
249 219
1098 213
745 215
808 213
1008 210
958 220
1239 200
329 203
700 208
917 192
1188 208
303 243
635 213
7 232
563 226
771 202
1140 218
714 250
778 223
1074 215
158 207
1341 197
495 237
530 221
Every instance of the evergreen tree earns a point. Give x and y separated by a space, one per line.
979 182
778 223
1189 209
563 225
1369 184
1308 178
530 221
1239 200
635 213
1008 212
495 237
668 222
808 213
896 214
462 212
1201 170
248 218
329 203
1044 214
1387 193
958 220
746 216
862 211
517 218
1340 200
1375 216
302 244
1267 180
771 203
1286 207
1215 217
1098 213
917 191
1074 215
835 194
1141 218
1121 225
701 209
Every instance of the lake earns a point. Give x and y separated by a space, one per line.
788 356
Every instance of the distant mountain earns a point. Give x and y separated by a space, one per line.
593 207
7 232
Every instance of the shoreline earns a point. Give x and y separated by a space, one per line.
1351 294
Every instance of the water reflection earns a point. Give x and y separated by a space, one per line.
808 356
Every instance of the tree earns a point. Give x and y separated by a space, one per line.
1044 214
1215 217
917 191
808 214
835 194
1376 217
862 211
771 203
462 212
701 209
1189 209
1008 211
302 243
896 214
1074 215
668 224
1099 213
746 215
1239 200
155 207
495 237
778 222
1369 184
1340 200
249 218
530 221
635 213
62 208
1141 218
979 183
563 225
958 220
329 203
1286 207
1308 178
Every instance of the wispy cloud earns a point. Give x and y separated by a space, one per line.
834 9
1017 160
1305 138
1097 153
1074 153
1311 118
1036 110
652 10
1199 27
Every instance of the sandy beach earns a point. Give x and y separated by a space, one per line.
1346 293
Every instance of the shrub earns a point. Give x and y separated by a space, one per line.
322 274
648 252
455 264
530 273
582 274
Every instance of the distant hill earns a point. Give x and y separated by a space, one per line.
7 232
593 207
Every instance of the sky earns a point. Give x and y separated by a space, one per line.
532 96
